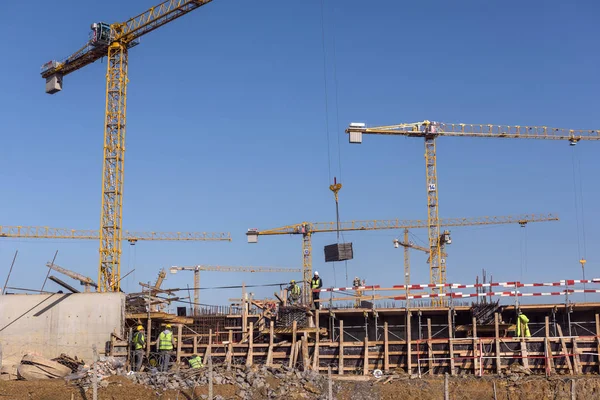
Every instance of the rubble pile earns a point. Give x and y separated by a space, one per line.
249 382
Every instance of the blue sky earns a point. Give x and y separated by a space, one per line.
227 131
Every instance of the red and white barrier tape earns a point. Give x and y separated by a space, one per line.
461 286
500 294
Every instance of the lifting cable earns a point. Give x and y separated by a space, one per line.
335 187
579 212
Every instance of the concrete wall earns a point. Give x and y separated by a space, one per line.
59 323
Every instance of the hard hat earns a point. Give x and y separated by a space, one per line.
140 328
292 281
168 326
316 272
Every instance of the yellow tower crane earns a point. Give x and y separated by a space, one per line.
217 268
114 41
306 229
430 131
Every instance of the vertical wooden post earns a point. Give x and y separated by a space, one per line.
576 360
408 343
451 348
341 350
178 355
315 364
129 352
244 311
497 343
475 347
293 348
250 356
148 336
524 354
450 327
548 348
549 357
386 348
270 351
229 355
429 347
209 347
598 339
305 362
366 357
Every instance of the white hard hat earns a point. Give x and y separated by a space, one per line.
316 272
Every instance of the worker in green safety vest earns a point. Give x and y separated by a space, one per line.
522 325
196 361
139 343
165 345
293 292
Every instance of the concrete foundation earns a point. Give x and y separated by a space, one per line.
51 324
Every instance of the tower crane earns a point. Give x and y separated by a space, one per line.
114 41
217 268
44 232
429 131
306 229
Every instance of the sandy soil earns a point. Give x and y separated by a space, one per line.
523 388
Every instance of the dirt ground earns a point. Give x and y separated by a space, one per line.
524 388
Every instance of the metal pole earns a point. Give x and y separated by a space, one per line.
9 271
210 377
446 391
329 383
95 375
568 311
50 269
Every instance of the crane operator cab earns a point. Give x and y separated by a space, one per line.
101 34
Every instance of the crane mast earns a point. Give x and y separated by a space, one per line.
113 41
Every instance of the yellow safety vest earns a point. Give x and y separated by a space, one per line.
522 326
196 362
165 341
139 340
296 289
315 283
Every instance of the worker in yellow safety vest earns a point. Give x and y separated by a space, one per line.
165 345
196 361
522 325
139 343
293 292
316 283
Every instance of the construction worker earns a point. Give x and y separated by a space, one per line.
139 344
522 325
293 292
356 284
165 345
196 361
316 283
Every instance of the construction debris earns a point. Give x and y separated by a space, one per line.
263 381
33 367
